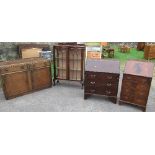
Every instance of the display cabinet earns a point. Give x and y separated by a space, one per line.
68 62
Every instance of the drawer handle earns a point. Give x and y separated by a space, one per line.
108 92
92 91
6 70
109 77
129 78
93 76
22 67
92 82
109 84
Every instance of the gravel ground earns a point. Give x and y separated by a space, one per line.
68 97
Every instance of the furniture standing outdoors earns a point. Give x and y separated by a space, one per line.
140 46
149 51
125 49
26 75
93 52
102 78
31 50
109 52
69 62
136 83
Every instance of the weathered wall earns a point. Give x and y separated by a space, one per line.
8 50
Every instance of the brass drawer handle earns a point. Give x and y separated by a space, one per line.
92 82
92 91
22 67
129 78
109 77
92 75
109 84
108 92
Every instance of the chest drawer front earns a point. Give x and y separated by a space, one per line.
108 91
91 75
101 78
13 69
90 89
137 79
40 64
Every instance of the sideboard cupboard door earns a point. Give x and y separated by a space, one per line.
41 78
16 84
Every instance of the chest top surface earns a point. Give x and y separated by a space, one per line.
139 68
106 66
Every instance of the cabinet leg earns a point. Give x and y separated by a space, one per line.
144 109
85 96
82 85
53 82
120 102
113 100
58 81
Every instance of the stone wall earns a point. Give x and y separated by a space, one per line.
9 50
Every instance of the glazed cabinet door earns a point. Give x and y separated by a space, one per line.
61 56
16 84
75 65
41 78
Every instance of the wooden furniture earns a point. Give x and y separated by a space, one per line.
102 78
68 62
109 52
140 46
136 83
125 49
93 52
31 50
23 76
149 51
93 55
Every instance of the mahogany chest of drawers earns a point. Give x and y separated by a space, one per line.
136 83
102 78
140 46
149 51
26 75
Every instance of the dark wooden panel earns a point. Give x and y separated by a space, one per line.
136 83
101 83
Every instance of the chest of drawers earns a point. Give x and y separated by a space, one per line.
149 51
101 78
140 46
136 83
23 76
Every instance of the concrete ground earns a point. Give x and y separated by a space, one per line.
68 97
